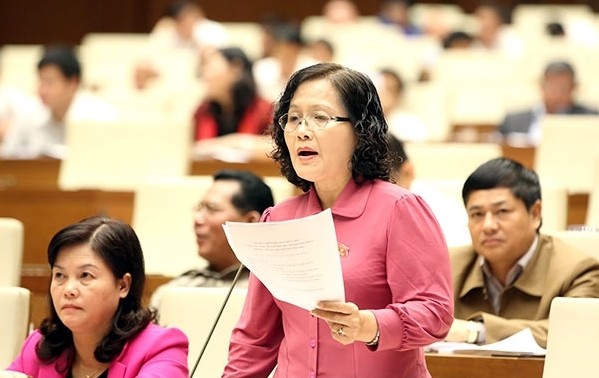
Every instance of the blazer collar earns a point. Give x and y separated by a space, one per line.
350 204
474 279
530 281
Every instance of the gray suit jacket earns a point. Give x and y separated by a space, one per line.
520 122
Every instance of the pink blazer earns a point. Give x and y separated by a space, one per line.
154 352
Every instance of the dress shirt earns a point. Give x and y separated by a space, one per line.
495 289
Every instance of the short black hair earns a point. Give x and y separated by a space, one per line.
456 36
177 7
555 29
64 58
505 173
288 32
255 194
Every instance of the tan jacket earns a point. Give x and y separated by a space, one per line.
556 270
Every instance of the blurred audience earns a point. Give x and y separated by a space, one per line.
395 13
186 25
43 133
402 124
340 11
322 51
16 106
183 26
494 32
288 56
232 114
557 89
457 40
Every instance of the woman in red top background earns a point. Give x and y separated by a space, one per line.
232 115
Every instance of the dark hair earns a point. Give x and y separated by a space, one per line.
62 57
254 195
177 7
243 92
456 36
555 29
118 246
359 97
505 173
397 153
395 76
559 67
288 32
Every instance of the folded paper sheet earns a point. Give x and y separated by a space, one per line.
520 344
297 260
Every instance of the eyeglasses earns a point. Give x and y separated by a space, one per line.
314 121
210 208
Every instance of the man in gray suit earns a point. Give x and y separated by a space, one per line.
557 88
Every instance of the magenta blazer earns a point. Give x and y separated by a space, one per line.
155 352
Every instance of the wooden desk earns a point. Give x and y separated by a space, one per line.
28 191
473 133
43 173
45 211
523 155
467 366
29 174
265 167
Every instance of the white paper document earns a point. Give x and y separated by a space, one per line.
519 344
297 260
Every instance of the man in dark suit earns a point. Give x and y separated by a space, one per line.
557 88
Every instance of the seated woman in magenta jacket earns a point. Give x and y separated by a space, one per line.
97 327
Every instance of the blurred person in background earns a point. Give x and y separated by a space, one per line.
183 26
235 196
43 134
558 86
288 55
232 115
457 40
395 13
340 12
402 124
15 107
494 32
322 51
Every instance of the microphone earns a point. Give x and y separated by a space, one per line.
220 312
